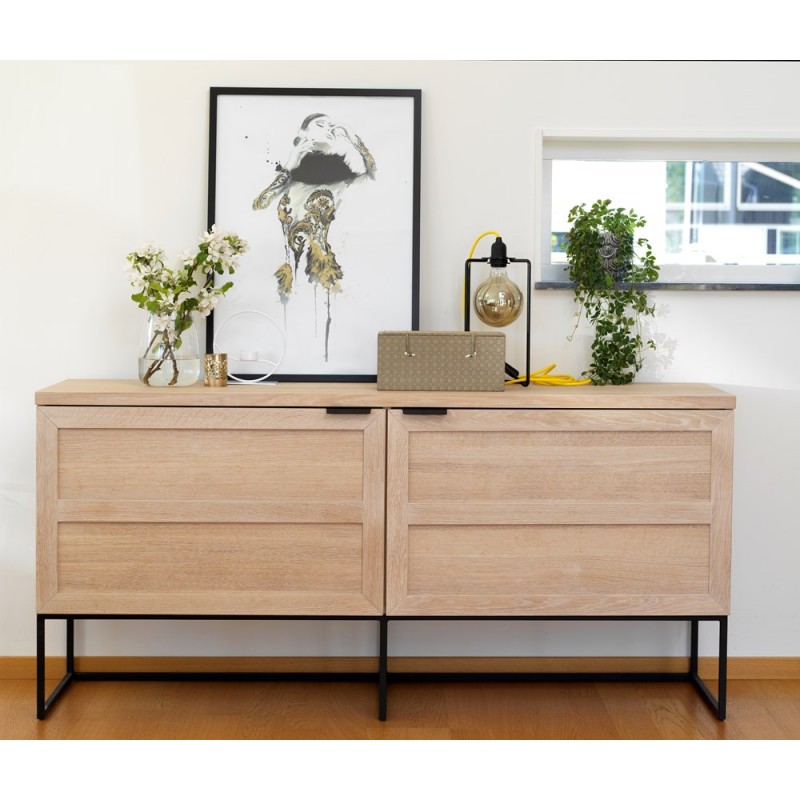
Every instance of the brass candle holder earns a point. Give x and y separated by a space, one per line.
216 369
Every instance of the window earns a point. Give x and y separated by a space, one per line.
721 212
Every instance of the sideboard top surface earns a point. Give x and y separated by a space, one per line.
323 394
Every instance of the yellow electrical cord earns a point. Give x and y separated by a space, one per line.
471 252
542 377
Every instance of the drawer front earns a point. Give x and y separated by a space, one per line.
210 511
559 512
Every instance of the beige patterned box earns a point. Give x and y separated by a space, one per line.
441 361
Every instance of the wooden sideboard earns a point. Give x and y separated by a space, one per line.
340 501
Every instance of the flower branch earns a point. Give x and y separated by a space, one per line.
172 296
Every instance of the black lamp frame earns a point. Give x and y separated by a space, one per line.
467 300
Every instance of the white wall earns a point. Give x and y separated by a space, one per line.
98 158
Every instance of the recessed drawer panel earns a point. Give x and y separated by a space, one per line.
208 465
558 559
548 465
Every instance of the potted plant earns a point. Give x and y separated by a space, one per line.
607 265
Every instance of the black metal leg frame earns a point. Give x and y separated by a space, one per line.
383 677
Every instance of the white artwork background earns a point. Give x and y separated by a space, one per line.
371 235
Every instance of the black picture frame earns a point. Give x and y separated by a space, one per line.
324 184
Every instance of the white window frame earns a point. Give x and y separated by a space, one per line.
742 146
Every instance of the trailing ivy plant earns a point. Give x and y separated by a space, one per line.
607 265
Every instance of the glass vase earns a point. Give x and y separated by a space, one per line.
168 357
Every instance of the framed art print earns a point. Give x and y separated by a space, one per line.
323 184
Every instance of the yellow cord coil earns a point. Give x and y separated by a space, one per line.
542 377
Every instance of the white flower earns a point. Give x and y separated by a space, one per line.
190 293
164 322
169 291
211 236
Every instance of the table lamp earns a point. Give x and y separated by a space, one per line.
498 300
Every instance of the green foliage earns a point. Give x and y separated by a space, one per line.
175 294
614 309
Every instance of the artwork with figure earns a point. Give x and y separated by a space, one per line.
325 159
324 186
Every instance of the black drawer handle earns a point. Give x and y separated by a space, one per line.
428 411
348 410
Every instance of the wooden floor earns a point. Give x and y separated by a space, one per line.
143 710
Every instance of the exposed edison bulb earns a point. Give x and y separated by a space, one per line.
498 300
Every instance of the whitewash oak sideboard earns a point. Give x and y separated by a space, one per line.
339 501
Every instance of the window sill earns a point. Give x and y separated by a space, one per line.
688 286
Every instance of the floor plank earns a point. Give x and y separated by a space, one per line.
186 710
